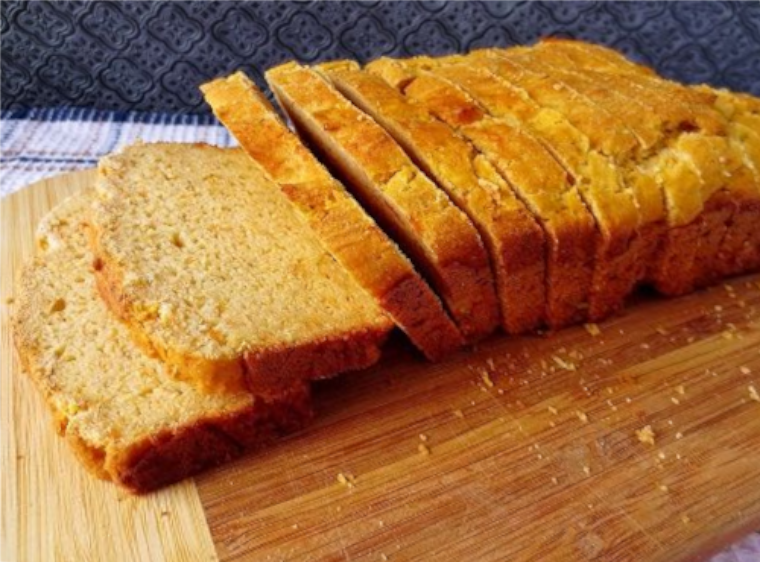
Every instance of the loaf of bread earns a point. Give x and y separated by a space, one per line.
344 228
124 418
213 272
530 187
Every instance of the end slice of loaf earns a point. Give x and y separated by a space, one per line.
343 227
209 265
510 232
434 232
126 421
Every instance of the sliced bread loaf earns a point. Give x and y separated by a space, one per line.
436 234
511 233
208 264
125 420
344 229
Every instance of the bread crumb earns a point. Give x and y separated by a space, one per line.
644 346
423 437
646 435
553 410
562 364
581 416
679 435
685 519
491 364
661 454
346 479
663 488
753 395
592 329
681 389
718 308
486 379
554 480
745 370
587 470
423 449
662 331
727 335
458 413
383 556
675 400
294 526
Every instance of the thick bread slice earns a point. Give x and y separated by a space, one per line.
125 420
438 236
537 178
209 265
512 235
342 226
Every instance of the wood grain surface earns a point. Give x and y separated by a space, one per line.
524 449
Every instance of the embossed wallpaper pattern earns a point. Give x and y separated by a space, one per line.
152 55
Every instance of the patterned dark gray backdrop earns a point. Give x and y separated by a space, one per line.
152 55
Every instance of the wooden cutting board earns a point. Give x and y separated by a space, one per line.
524 449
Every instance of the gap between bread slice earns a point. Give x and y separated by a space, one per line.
342 226
208 264
125 419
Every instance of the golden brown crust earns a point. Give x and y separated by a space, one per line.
345 230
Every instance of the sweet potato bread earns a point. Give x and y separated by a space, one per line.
124 418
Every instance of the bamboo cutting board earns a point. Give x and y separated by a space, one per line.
525 449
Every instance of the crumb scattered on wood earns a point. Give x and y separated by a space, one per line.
553 410
423 449
562 364
753 395
745 370
582 416
587 470
486 379
675 400
592 329
423 437
661 330
681 389
679 435
346 479
663 488
459 413
646 435
685 519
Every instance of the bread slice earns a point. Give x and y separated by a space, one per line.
125 420
437 235
537 179
210 267
342 226
512 235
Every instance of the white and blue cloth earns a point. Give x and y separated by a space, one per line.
39 143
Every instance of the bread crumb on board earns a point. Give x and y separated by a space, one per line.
346 479
753 395
592 329
423 449
458 413
646 435
582 416
745 370
486 379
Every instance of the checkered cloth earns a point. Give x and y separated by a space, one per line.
39 143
